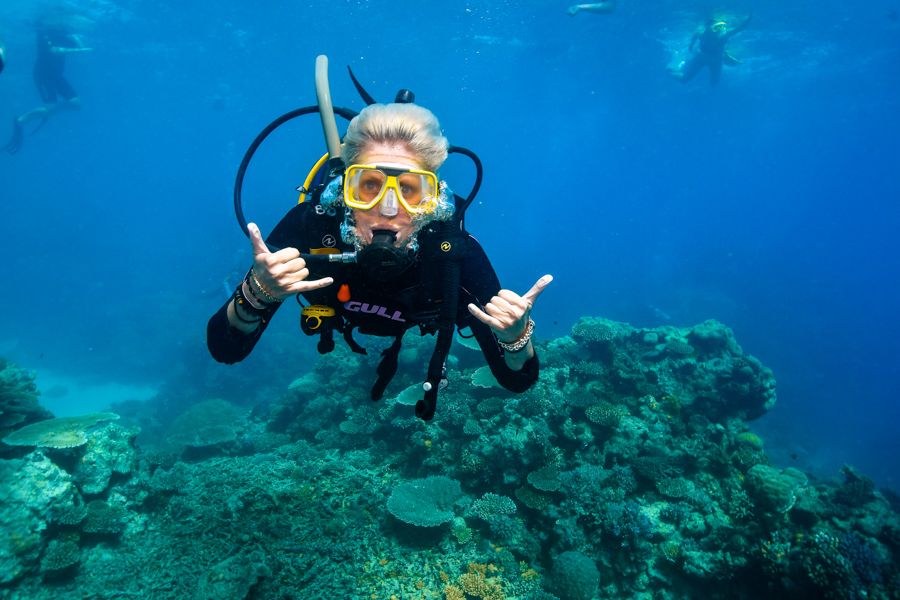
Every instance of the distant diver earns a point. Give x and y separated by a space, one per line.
54 42
603 8
712 53
2 58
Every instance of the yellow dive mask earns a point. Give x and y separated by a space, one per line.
367 185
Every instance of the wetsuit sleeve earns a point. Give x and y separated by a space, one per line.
479 285
229 345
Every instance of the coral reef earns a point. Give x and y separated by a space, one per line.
18 399
627 471
109 451
32 489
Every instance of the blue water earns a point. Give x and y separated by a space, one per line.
769 202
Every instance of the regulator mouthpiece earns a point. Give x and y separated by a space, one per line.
381 260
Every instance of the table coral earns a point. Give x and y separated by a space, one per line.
61 432
425 502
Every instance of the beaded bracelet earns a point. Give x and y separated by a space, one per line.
519 344
251 276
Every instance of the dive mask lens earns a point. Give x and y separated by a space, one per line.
367 185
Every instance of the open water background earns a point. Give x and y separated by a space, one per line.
769 202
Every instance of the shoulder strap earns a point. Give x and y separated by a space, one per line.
449 249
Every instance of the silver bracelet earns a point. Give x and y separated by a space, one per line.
519 344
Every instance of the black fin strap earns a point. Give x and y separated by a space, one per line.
348 337
386 368
326 341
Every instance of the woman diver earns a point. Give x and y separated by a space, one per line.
388 209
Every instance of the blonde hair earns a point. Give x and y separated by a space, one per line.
408 124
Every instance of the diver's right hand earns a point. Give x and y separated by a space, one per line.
281 273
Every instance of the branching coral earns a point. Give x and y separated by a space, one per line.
491 505
675 487
104 519
606 414
59 556
476 583
596 330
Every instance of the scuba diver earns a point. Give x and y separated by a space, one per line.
2 58
54 42
383 249
712 53
604 8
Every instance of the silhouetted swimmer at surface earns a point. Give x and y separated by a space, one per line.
603 8
708 48
54 42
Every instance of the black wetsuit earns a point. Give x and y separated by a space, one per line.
384 309
1 60
49 67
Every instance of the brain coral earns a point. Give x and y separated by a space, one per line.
425 502
207 423
574 576
62 432
773 489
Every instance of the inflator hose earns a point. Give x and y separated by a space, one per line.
326 111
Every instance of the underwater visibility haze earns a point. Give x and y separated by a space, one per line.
716 414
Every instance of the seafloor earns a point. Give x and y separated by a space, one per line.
628 471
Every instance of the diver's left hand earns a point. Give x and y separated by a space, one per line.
507 313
